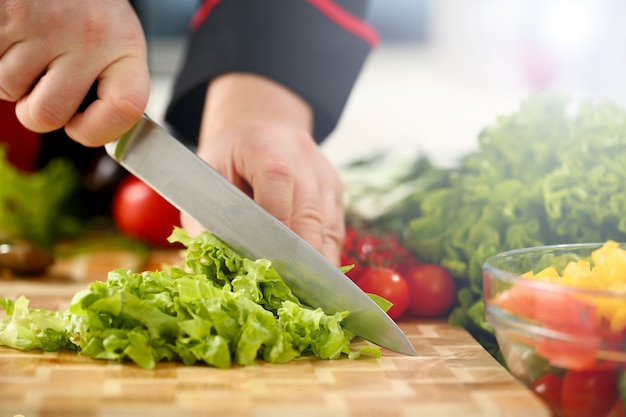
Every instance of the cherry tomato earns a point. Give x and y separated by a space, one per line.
392 241
548 388
140 212
382 258
387 283
380 250
588 393
432 290
365 245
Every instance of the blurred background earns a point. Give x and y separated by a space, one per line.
444 68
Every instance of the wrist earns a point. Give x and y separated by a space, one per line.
236 100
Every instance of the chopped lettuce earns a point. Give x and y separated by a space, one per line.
218 309
28 329
33 205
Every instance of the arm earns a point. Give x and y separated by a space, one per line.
269 79
257 133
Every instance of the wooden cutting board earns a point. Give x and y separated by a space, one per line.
452 374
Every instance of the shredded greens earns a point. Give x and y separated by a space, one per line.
218 309
33 205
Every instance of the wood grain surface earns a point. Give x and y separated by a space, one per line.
451 376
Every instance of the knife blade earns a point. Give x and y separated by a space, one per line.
173 170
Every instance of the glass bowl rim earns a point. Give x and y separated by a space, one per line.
516 278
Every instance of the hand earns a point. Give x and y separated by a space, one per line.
51 53
267 151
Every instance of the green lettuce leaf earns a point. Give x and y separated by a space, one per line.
219 309
34 205
30 329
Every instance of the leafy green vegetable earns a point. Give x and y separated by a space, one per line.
546 174
28 329
219 309
551 172
383 303
32 205
386 191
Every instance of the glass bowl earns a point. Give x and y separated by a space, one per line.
566 341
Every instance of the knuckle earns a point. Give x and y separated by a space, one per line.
308 221
92 28
310 213
278 170
332 237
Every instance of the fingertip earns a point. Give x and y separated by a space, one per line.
109 116
37 118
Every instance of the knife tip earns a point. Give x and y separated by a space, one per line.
406 349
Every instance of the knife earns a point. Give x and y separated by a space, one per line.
173 170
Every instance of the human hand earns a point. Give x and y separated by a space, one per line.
276 162
286 173
52 52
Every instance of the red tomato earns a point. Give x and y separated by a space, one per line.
432 290
390 285
140 212
588 393
365 245
381 259
557 311
392 241
564 354
561 312
379 250
548 388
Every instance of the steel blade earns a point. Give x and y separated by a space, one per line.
149 152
